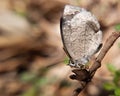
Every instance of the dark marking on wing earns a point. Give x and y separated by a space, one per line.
99 47
93 26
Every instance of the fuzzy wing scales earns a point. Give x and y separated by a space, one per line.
80 34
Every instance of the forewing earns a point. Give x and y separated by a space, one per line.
70 38
65 38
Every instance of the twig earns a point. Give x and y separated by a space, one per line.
84 76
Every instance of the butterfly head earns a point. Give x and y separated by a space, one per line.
79 63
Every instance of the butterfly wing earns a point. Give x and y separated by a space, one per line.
80 34
64 39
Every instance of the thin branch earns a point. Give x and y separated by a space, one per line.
108 44
84 76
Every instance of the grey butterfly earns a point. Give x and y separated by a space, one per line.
81 35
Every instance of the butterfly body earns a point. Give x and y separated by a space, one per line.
81 35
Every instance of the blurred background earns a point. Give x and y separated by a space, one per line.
32 61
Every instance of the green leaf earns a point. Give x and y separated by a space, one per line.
117 77
27 77
66 60
111 68
117 27
109 86
117 92
42 81
31 92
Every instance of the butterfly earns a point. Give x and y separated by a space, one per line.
81 35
